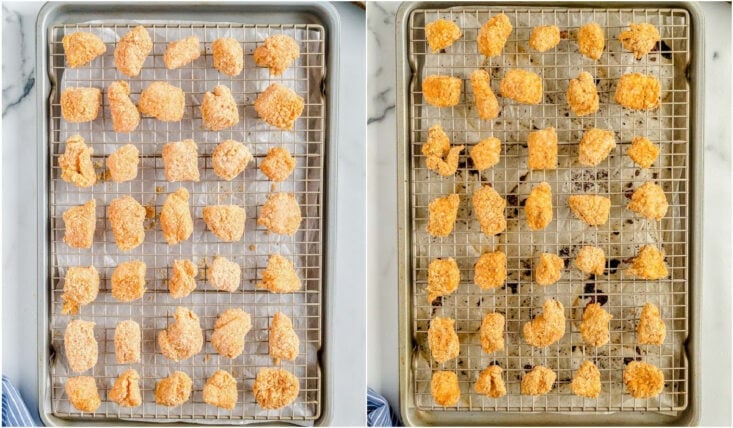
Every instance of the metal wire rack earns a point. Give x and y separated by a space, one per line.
155 310
521 299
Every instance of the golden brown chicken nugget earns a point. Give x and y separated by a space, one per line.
544 37
586 381
637 91
80 104
126 389
640 39
443 278
648 264
595 146
444 388
79 223
592 209
81 287
649 201
278 164
126 216
442 213
643 152
183 338
521 86
490 270
549 269
122 163
538 381
229 159
542 148
229 330
489 206
279 276
76 163
83 394
283 342
643 380
80 345
173 390
651 329
162 101
582 95
548 327
219 109
591 260
277 53
180 159
442 91
443 340
492 332
228 56
486 103
440 157
441 33
591 40
181 52
81 48
125 116
448 166
224 275
485 153
279 106
493 35
280 214
225 221
538 207
220 390
128 281
594 327
175 217
490 383
183 278
128 342
131 51
275 388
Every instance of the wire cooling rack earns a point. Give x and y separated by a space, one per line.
521 299
154 311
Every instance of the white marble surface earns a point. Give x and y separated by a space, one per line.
19 116
382 364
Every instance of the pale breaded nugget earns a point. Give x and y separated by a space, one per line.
641 39
546 328
162 101
442 91
651 329
649 201
183 338
490 383
444 388
448 166
83 394
225 221
125 116
542 148
591 40
279 276
283 341
173 390
493 35
126 389
549 269
594 327
443 278
582 95
277 53
591 260
492 332
595 146
219 109
128 342
643 152
180 159
80 104
81 48
126 216
81 287
181 52
229 159
521 86
592 209
538 381
279 106
486 103
586 381
637 91
76 163
544 38
538 207
442 213
275 388
228 56
485 153
224 275
183 278
229 330
122 163
489 206
280 214
643 380
278 164
128 281
80 345
648 264
438 143
220 390
131 51
443 340
490 270
441 33
440 157
175 217
79 223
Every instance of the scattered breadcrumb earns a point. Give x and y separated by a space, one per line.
493 35
283 341
220 390
542 148
131 51
440 157
649 264
591 260
80 345
490 383
549 269
225 221
173 390
444 388
277 53
79 223
127 217
443 278
228 56
548 327
649 201
592 209
544 38
183 278
586 381
280 214
486 103
489 206
80 104
183 338
125 116
181 52
162 101
175 217
279 106
278 164
651 329
538 381
219 109
81 48
229 330
76 163
492 332
128 342
180 159
122 163
126 389
490 270
280 276
643 152
485 153
443 340
229 159
521 86
442 91
640 39
81 287
441 34
594 327
582 95
128 281
442 213
538 207
275 388
591 40
82 393
595 146
224 275
637 91
643 380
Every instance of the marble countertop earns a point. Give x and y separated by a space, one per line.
19 191
382 364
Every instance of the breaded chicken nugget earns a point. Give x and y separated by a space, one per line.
490 270
279 106
83 394
128 342
444 388
486 103
592 209
80 104
548 327
183 338
228 56
126 389
489 206
122 163
126 216
224 274
441 33
443 340
595 146
125 116
549 269
283 341
485 153
637 91
649 201
641 39
76 163
220 390
521 86
542 148
279 276
643 380
128 281
181 52
183 278
277 53
79 223
594 327
440 157
493 35
538 381
278 164
591 40
275 388
591 260
648 264
492 332
538 207
643 152
442 213
80 345
442 91
81 287
651 329
582 95
229 159
81 48
544 38
173 390
229 330
280 214
175 217
443 278
219 109
162 101
490 383
131 51
586 381
225 221
180 159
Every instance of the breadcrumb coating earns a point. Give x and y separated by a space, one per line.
127 217
486 153
441 34
79 224
582 95
594 327
183 278
492 332
80 104
643 152
442 91
544 38
489 206
592 209
595 146
82 393
224 275
162 101
220 390
128 281
438 143
229 330
586 381
277 53
490 270
640 39
275 388
181 52
280 276
76 163
180 159
442 213
538 207
125 116
443 278
546 328
637 91
126 389
128 342
648 264
228 56
643 380
490 383
440 157
131 51
591 260
280 214
229 159
542 148
80 345
521 86
538 381
443 340
651 329
279 106
283 341
81 287
591 40
549 269
278 164
493 35
444 388
183 338
486 103
225 221
649 201
173 390
175 217
219 109
122 164
81 48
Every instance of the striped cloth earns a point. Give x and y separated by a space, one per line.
15 412
379 414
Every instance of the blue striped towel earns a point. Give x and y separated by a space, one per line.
15 412
379 414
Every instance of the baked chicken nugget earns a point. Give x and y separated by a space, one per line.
651 329
181 52
489 206
591 260
224 275
595 146
80 345
220 390
486 103
640 39
637 91
229 159
122 163
81 287
492 332
275 388
279 276
490 270
277 53
591 40
131 51
279 106
490 383
443 340
582 95
648 264
440 157
219 109
592 209
183 278
280 214
173 390
225 221
229 330
441 34
128 281
126 389
549 269
594 327
538 207
442 91
175 217
125 116
228 56
442 213
493 35
127 217
444 388
283 341
485 153
643 152
521 86
649 201
82 393
79 223
80 104
183 338
586 381
643 380
538 381
128 342
548 327
278 164
76 163
443 278
162 101
544 37
542 149
81 48
180 160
